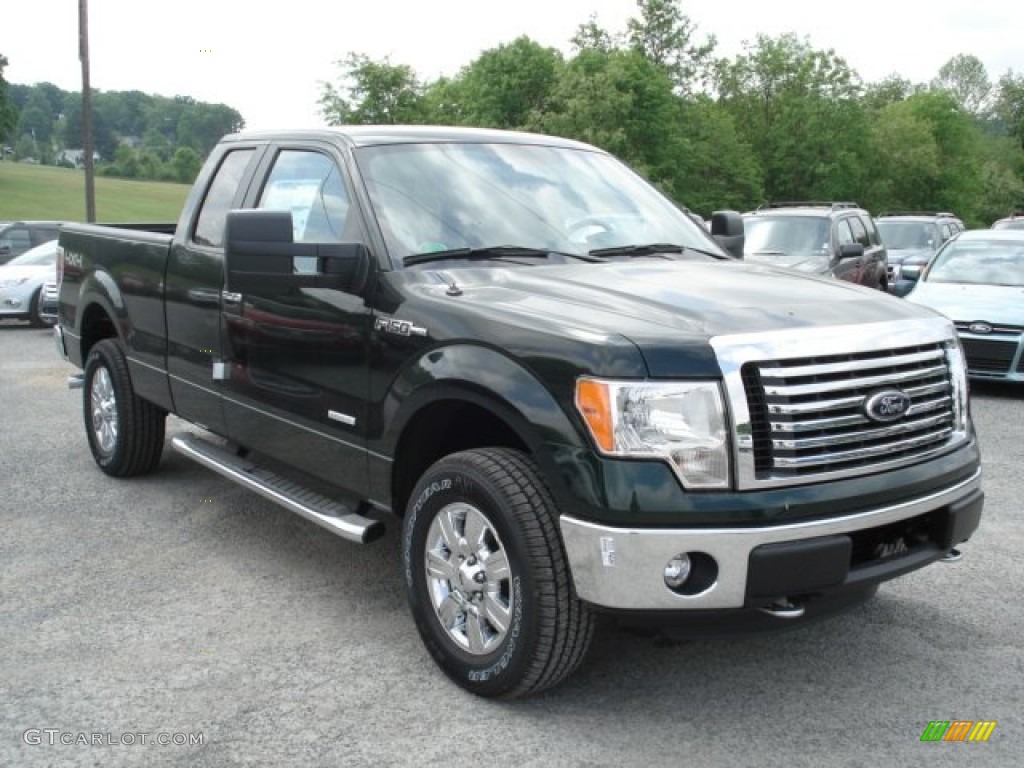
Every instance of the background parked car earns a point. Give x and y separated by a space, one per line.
48 301
22 280
977 280
1014 221
16 237
911 238
836 239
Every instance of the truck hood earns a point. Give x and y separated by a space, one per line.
658 301
996 304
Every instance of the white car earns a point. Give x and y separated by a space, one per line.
977 280
22 280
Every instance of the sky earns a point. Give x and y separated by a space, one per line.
269 61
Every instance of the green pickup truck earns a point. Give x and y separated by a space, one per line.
566 391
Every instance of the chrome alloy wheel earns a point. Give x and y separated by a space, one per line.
104 411
469 578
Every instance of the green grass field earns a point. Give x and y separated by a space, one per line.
45 192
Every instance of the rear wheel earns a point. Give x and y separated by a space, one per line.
487 578
125 432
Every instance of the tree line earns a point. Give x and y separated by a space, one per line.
135 135
780 121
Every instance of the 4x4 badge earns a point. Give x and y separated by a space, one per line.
887 405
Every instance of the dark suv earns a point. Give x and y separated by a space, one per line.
835 239
16 237
912 238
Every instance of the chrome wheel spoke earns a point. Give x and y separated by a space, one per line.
449 536
475 529
450 613
497 613
496 566
475 633
438 567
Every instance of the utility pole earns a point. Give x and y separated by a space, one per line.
83 55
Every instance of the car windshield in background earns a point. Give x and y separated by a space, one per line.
907 235
980 262
1017 223
786 235
41 255
448 196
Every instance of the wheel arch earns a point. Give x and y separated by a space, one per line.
505 406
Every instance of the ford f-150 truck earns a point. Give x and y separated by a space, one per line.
572 398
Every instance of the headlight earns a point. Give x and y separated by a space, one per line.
681 422
958 375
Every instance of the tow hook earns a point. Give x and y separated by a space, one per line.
953 556
783 609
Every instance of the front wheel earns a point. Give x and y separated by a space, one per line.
35 311
126 433
487 578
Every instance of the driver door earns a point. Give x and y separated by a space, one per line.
298 372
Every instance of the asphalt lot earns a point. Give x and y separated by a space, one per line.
180 604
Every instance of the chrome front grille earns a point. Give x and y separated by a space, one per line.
808 414
799 399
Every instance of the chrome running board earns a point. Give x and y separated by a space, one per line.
332 515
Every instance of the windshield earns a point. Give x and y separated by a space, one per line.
907 235
447 196
41 255
980 262
786 235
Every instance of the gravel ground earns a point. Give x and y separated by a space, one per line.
180 606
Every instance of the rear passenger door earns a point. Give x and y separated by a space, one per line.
193 286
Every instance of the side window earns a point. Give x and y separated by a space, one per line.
219 196
843 230
947 232
16 240
860 234
309 186
873 237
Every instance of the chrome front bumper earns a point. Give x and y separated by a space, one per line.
623 568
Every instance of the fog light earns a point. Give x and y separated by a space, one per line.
677 571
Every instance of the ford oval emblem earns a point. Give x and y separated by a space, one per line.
979 328
887 405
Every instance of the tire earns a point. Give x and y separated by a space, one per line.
497 609
125 432
34 305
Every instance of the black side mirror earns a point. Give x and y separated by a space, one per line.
850 251
259 256
727 229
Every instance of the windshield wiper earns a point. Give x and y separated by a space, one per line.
770 253
649 249
489 252
481 254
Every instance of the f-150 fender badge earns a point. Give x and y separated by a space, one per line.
398 327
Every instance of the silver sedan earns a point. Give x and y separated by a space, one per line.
977 281
22 280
